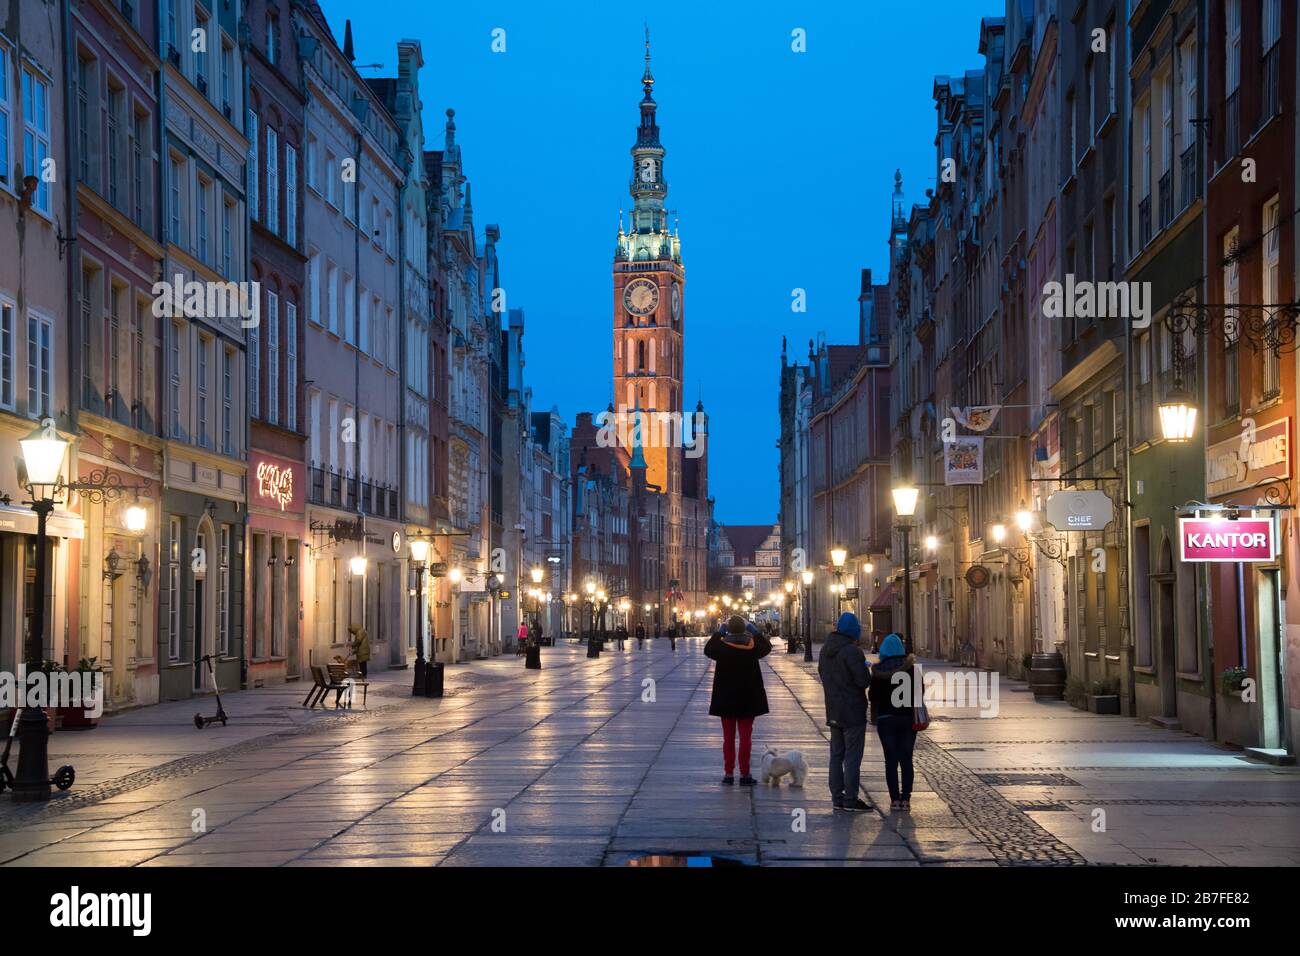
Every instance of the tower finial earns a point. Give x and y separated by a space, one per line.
648 79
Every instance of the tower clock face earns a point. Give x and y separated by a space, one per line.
641 296
677 301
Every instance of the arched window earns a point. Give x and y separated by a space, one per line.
640 355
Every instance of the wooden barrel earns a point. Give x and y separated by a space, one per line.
1047 676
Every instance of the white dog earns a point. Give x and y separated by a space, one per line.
774 767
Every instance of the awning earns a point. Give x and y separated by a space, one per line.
884 597
60 523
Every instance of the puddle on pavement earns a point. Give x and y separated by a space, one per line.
683 859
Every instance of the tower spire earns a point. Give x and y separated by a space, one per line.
648 79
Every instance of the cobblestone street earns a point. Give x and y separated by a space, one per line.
577 765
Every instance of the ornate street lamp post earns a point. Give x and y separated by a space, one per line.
807 615
533 656
419 558
905 505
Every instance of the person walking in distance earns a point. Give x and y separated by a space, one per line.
640 635
891 693
845 678
738 694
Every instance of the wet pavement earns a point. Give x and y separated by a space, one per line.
608 761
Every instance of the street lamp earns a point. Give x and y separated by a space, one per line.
1024 519
807 578
999 532
838 557
1178 416
43 454
905 505
357 564
136 518
424 670
931 543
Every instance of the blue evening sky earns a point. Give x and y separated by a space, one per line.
779 164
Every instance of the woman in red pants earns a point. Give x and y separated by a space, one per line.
738 695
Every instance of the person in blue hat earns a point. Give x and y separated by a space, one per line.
894 717
845 677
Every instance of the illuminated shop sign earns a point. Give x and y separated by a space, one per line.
1246 539
276 484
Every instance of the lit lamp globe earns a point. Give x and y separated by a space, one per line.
454 575
1024 519
419 550
931 543
136 518
789 587
749 595
905 500
591 588
536 574
999 532
808 578
358 565
1177 417
43 454
868 568
838 556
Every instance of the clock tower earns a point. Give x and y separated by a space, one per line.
649 308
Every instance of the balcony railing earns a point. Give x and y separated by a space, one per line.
1232 125
1166 198
1144 222
1189 172
1270 89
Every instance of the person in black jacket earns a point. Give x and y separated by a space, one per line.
891 696
640 635
845 677
738 695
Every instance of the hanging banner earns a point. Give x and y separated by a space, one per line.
1079 510
1219 540
978 418
963 461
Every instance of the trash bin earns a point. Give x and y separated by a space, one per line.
433 679
533 658
593 647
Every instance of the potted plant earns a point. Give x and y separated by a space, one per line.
1231 680
1104 698
74 712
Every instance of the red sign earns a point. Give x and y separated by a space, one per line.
275 483
1217 539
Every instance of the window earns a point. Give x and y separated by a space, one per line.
227 238
85 75
252 165
201 54
1089 70
332 293
291 366
255 368
1231 326
174 378
1187 61
272 180
364 341
227 400
204 346
223 590
174 589
40 371
1232 47
272 27
272 357
173 35
142 308
6 353
1271 24
227 70
313 287
310 159
1146 149
177 171
139 145
349 311
89 296
204 203
1112 58
5 112
290 195
36 136
112 351
116 99
1272 379
331 175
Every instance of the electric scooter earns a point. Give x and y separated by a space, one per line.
63 777
199 720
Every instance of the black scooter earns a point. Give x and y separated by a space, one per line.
199 720
63 777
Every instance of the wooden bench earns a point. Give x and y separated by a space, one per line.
322 683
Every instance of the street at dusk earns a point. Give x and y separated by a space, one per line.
473 454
